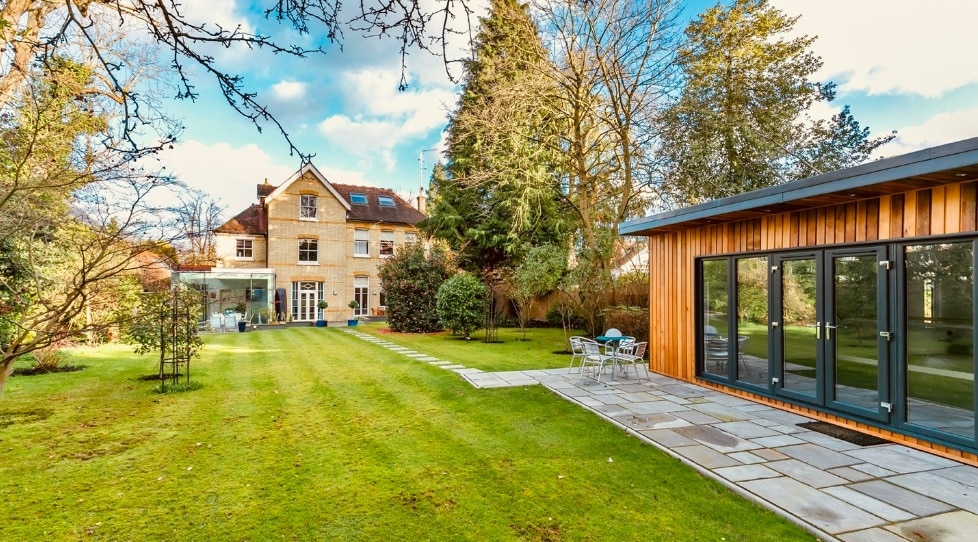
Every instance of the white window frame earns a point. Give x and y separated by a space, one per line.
314 251
244 250
308 207
410 237
361 243
386 201
386 243
361 293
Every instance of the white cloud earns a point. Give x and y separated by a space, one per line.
214 13
231 174
289 90
882 46
379 117
937 130
228 173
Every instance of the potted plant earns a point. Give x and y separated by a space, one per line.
353 305
321 322
239 311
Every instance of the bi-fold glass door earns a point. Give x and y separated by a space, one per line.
830 325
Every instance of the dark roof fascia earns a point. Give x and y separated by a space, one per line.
932 160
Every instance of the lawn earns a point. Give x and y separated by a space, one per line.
312 434
542 348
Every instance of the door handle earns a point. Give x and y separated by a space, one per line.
818 329
828 330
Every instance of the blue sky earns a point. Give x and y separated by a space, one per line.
900 65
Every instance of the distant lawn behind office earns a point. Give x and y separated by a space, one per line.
543 348
313 434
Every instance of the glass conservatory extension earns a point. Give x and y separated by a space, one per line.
245 292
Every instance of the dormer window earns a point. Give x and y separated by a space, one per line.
357 198
385 201
307 207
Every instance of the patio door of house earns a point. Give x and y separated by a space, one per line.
831 328
305 298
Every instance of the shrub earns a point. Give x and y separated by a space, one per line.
462 304
48 359
633 321
410 281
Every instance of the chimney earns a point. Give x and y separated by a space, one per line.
423 202
262 216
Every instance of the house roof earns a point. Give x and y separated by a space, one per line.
246 222
401 213
306 168
945 164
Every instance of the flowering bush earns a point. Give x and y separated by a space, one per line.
410 279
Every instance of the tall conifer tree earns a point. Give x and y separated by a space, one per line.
497 195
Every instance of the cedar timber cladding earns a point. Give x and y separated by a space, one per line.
933 211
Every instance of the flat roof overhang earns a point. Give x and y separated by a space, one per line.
944 164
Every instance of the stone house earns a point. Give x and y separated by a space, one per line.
307 240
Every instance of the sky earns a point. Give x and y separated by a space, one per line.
899 65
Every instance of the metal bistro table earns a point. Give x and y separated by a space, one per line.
612 342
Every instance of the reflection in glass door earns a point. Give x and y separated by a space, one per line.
939 343
800 330
855 316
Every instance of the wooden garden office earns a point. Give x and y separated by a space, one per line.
849 297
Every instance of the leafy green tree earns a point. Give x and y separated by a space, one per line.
740 122
538 274
411 279
73 213
461 304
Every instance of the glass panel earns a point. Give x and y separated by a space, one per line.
361 239
307 206
854 340
798 314
715 301
940 337
360 291
386 243
305 297
752 320
308 250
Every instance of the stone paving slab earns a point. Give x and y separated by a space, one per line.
818 456
810 475
902 498
651 421
815 507
951 527
901 459
742 473
705 456
938 487
869 504
745 429
875 534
